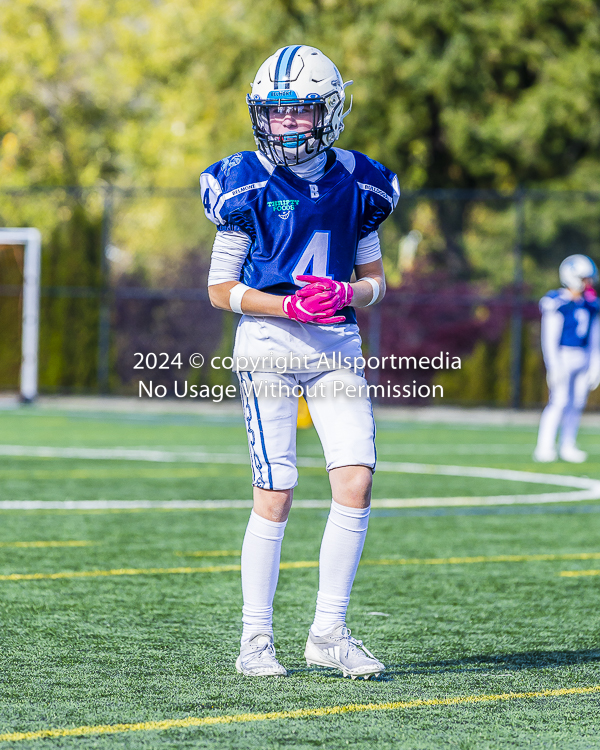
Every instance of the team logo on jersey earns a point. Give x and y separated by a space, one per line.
230 162
283 208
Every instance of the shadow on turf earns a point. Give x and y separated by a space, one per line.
498 662
334 674
484 663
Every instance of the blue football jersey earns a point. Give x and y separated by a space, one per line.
297 226
578 316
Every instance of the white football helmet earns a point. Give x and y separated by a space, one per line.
297 80
574 269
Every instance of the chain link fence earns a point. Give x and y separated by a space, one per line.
124 275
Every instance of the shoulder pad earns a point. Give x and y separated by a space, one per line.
374 177
552 301
230 183
346 158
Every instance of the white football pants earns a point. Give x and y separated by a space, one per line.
568 395
341 411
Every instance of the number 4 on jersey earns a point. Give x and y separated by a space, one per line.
314 259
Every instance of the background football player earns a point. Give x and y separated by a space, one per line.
295 220
571 348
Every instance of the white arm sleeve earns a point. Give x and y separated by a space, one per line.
368 249
594 342
594 349
229 252
552 326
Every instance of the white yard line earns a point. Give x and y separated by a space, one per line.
483 472
124 454
586 489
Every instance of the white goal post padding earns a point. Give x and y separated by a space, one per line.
32 241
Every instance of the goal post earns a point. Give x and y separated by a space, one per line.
31 239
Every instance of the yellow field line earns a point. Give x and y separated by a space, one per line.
304 564
116 572
574 573
300 713
211 553
299 564
483 559
46 544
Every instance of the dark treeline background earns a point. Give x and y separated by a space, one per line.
452 95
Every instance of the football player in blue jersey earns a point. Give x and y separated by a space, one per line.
296 219
571 348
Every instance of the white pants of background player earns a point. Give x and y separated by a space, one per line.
569 387
345 425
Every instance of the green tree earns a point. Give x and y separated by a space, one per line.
57 127
468 94
448 93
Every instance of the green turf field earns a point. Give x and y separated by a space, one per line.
141 625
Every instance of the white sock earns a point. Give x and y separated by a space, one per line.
570 427
549 423
261 551
341 549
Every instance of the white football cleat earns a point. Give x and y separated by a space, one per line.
572 454
257 658
340 651
544 455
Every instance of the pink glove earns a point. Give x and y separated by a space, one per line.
316 308
340 291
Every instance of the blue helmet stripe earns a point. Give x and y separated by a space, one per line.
288 70
284 67
278 68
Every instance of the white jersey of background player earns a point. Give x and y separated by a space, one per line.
296 219
571 348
